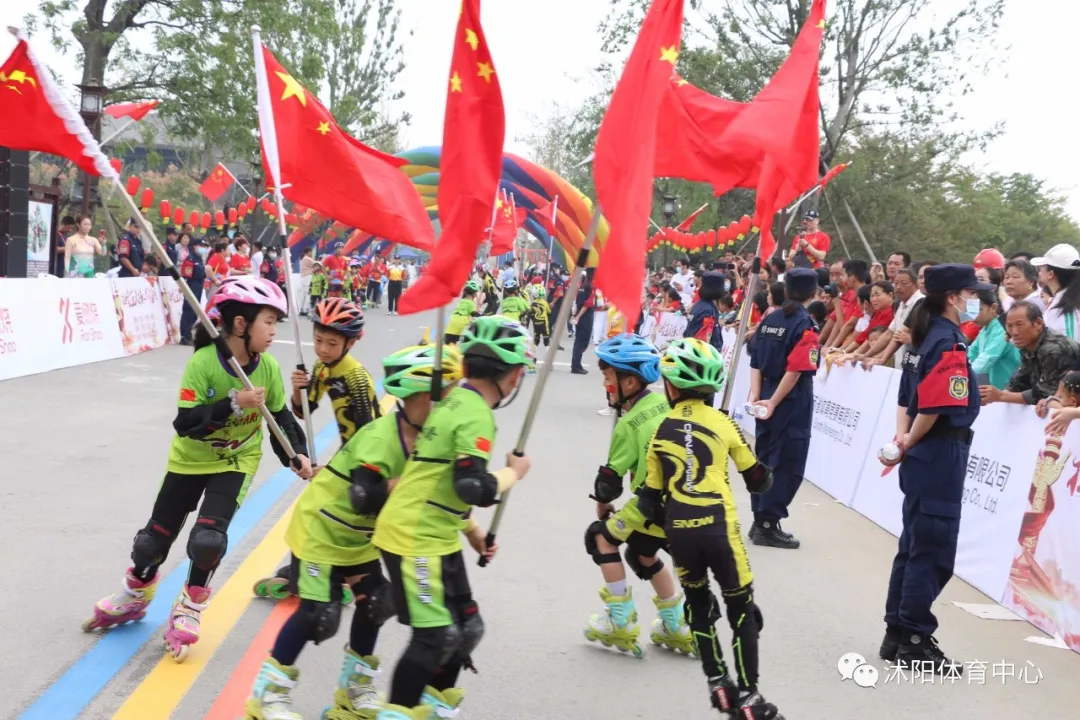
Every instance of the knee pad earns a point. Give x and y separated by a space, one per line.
744 615
208 542
700 607
374 598
151 545
426 648
643 571
594 529
321 620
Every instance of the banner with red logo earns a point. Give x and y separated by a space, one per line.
49 324
140 312
173 303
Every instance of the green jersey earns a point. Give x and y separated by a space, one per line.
324 529
461 317
424 515
633 432
318 285
237 445
513 307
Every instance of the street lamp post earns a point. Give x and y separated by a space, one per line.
669 217
91 107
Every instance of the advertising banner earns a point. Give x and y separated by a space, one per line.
671 326
173 302
140 312
39 237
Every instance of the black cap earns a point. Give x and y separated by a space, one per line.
811 215
196 240
953 277
171 230
801 281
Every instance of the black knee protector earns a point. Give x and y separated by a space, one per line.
472 632
426 647
643 571
758 479
151 545
744 615
374 598
321 620
594 529
208 542
700 607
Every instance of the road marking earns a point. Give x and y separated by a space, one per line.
66 698
164 688
293 342
558 363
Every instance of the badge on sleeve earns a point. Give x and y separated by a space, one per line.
946 384
187 395
483 444
123 247
805 355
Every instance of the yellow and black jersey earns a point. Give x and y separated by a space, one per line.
351 391
687 460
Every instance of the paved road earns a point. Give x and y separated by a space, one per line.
84 449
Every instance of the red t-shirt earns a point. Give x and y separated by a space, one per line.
849 303
818 241
218 264
335 268
239 263
881 318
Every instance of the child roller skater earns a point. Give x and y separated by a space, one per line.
330 538
687 491
417 530
630 364
213 457
513 305
540 314
339 323
463 313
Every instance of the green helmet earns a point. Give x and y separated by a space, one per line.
408 371
497 338
472 286
692 364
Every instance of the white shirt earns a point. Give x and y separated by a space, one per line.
1034 298
1055 319
686 283
901 314
256 263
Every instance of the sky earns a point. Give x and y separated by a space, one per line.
544 53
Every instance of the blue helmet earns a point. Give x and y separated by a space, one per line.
632 354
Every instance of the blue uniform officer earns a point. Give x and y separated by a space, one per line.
784 357
193 272
936 408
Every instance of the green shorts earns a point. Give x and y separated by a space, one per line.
322 583
429 592
628 526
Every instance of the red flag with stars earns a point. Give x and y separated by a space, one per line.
320 166
508 219
36 117
626 155
217 183
134 110
471 165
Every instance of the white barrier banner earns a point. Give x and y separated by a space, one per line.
49 324
173 302
740 393
670 327
878 495
846 406
1043 582
141 313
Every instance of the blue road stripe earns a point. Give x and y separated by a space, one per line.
83 681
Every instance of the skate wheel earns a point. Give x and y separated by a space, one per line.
278 589
89 625
347 596
259 589
181 653
638 651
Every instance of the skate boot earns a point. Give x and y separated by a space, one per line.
355 697
124 606
670 629
724 694
397 712
443 703
753 707
276 587
270 698
183 631
617 625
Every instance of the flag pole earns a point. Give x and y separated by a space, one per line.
283 233
549 363
744 323
551 240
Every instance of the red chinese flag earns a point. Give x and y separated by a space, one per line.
688 223
36 117
626 155
473 131
547 215
135 110
217 183
504 232
322 167
782 120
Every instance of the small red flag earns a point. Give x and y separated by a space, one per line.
473 132
507 221
686 224
36 117
217 183
626 155
547 214
136 110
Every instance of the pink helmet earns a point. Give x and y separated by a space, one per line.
251 291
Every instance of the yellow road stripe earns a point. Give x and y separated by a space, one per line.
162 690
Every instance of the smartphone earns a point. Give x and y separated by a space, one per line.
982 379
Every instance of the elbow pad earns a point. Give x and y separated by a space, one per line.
651 504
608 485
759 478
202 420
473 483
368 491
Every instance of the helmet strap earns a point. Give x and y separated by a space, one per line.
405 416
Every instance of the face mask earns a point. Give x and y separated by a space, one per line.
203 252
273 256
970 310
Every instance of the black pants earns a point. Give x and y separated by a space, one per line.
178 497
372 292
393 292
582 336
187 313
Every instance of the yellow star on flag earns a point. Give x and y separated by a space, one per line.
324 127
292 88
682 81
12 87
21 77
485 70
498 204
669 54
471 40
821 24
455 83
